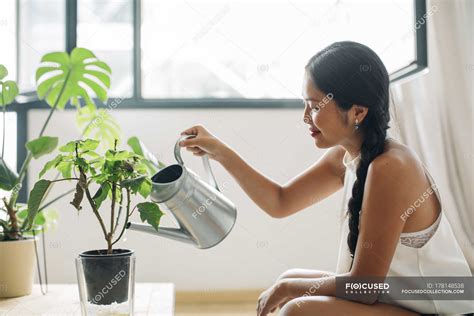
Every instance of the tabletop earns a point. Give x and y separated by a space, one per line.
63 299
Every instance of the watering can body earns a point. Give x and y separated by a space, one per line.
204 215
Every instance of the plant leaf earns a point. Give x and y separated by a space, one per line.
99 124
65 167
8 93
113 155
8 177
35 199
134 184
88 144
3 71
101 194
82 145
42 146
51 164
145 188
70 74
150 213
69 147
139 148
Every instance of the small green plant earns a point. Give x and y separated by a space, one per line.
60 78
116 175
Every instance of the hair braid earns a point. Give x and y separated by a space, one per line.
372 146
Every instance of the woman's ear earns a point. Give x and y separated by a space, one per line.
359 112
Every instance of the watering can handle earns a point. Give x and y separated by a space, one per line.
205 161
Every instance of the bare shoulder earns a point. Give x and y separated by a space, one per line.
334 156
397 160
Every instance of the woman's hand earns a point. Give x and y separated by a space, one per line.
274 297
204 143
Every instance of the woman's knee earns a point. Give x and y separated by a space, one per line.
296 307
292 308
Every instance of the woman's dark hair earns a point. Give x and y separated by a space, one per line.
354 74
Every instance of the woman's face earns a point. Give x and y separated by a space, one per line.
327 124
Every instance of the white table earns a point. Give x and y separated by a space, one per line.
63 299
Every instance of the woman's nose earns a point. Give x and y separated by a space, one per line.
306 117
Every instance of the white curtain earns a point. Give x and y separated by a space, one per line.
434 113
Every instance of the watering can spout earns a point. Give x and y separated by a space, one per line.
171 233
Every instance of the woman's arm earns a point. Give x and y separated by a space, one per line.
313 185
265 192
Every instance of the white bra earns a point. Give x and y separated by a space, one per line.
412 239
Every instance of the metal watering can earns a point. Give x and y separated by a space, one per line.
205 216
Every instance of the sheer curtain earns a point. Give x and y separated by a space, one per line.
433 113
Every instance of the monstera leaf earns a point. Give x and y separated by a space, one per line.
62 77
9 89
98 124
3 72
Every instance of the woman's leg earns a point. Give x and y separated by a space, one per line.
304 273
329 305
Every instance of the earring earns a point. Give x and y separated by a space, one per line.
357 124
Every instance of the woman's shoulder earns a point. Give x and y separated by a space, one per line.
398 158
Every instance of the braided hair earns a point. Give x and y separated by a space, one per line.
354 74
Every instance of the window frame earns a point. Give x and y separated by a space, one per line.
29 100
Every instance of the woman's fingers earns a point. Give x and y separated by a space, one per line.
196 151
190 131
193 149
195 130
189 142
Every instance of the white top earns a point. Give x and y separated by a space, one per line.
440 255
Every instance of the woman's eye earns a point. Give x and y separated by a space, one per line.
315 109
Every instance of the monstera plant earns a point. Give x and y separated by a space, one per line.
78 78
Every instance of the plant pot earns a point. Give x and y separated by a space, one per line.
17 267
106 282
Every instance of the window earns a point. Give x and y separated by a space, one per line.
42 30
106 28
8 50
258 49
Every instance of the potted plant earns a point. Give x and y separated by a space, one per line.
60 78
116 176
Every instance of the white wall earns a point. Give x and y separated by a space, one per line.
259 248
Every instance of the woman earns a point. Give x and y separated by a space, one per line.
346 98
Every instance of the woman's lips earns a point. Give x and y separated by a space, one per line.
314 133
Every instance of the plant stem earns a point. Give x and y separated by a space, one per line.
4 110
94 209
91 200
13 234
64 179
112 208
119 210
131 213
127 215
24 166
